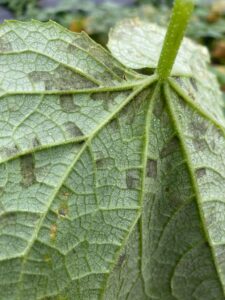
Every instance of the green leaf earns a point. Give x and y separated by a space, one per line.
112 183
137 45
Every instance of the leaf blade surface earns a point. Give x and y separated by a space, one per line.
111 185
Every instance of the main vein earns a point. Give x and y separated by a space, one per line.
145 157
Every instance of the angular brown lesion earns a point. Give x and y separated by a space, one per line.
151 168
200 172
107 98
105 162
72 129
73 49
159 109
132 179
170 147
198 128
36 142
9 151
61 78
114 123
199 144
67 103
27 167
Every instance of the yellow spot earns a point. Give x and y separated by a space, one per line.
53 231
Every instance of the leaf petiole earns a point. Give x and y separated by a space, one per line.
181 14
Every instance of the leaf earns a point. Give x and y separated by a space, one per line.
112 183
125 40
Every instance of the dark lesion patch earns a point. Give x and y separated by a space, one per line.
133 109
130 113
39 76
165 120
105 162
72 129
61 79
73 49
170 147
67 103
159 108
9 151
133 179
146 71
107 98
114 124
151 168
200 172
198 128
119 72
63 211
27 167
199 143
36 142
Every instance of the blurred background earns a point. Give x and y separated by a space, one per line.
97 16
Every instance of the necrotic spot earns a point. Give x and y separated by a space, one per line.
170 147
114 124
100 162
198 128
199 144
107 98
119 72
132 179
67 103
27 167
73 49
73 129
9 151
38 76
106 162
61 79
159 108
200 172
63 211
151 168
36 142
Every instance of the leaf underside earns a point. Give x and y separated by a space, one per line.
112 184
